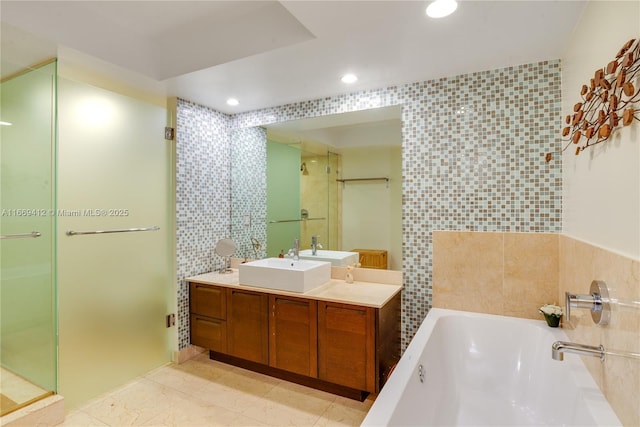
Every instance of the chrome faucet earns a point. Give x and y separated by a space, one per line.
560 347
597 302
315 245
295 249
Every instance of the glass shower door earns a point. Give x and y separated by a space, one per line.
114 177
27 248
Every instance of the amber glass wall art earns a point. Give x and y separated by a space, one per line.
607 102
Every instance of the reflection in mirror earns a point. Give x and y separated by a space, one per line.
287 183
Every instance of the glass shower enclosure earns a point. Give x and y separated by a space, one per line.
27 227
84 294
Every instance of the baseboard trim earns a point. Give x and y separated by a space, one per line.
188 353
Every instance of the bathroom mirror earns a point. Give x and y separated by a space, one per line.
338 177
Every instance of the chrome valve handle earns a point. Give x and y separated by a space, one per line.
597 302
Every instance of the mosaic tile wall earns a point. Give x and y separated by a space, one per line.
203 199
249 190
473 159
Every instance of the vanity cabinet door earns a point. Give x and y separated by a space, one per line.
293 327
346 345
248 325
208 300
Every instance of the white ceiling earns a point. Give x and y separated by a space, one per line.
268 53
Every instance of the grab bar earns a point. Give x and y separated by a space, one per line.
21 236
115 230
296 220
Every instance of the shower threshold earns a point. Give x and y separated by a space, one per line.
17 392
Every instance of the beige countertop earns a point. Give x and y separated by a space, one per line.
368 294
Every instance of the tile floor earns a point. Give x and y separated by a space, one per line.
15 391
202 392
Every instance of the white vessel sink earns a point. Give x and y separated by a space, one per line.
336 258
285 274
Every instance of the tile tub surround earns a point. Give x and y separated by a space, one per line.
511 274
617 377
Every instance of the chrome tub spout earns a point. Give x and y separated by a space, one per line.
560 347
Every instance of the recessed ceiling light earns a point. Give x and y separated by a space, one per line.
232 101
441 8
5 124
349 78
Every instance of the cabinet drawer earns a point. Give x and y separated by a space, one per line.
209 333
207 300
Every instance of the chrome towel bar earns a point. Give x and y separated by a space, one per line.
382 178
115 230
33 234
296 220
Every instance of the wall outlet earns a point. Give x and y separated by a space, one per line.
171 320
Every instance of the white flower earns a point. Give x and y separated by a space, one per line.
551 310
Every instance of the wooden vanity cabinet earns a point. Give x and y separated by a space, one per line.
346 345
248 325
358 347
293 344
342 348
208 314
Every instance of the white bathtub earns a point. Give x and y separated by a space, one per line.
485 370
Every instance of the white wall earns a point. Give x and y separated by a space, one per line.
601 190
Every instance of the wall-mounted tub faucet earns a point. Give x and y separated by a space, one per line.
558 349
597 302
